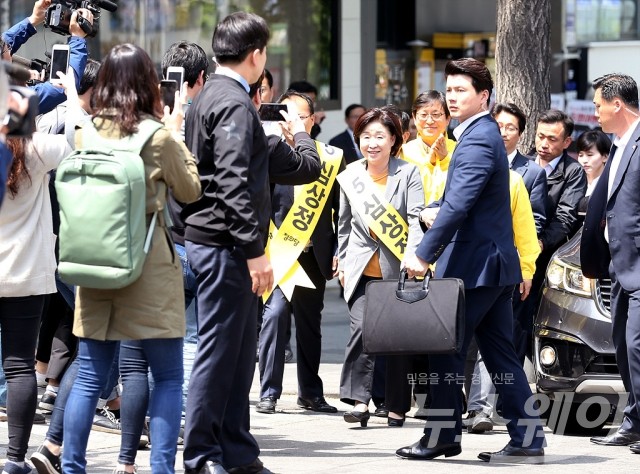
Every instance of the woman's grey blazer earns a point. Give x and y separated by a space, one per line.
355 244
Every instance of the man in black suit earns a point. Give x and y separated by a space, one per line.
318 260
345 140
566 186
611 239
470 237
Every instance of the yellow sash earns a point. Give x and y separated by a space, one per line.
286 243
381 217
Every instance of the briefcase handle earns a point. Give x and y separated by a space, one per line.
411 296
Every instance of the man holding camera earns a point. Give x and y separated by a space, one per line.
49 95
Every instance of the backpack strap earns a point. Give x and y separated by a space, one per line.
133 143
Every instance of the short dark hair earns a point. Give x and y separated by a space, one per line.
404 117
89 76
350 109
237 35
386 117
554 116
292 93
269 77
596 138
426 98
255 87
512 109
618 85
188 55
303 86
478 72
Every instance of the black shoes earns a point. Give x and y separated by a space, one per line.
395 422
210 467
256 467
381 410
318 404
45 461
266 405
361 417
512 454
420 451
477 422
619 438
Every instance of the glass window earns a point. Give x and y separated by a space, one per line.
304 34
604 20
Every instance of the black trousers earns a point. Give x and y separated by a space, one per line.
217 411
625 331
19 323
306 305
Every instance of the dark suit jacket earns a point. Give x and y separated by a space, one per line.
324 237
472 237
344 142
566 186
621 211
535 180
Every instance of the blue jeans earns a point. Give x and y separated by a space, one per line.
55 433
191 313
164 358
96 358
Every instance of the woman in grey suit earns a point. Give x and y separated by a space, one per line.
363 254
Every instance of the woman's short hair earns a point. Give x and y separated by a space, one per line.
427 98
596 138
387 118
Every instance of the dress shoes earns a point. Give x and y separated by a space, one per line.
210 467
635 448
381 410
619 438
318 404
395 422
256 467
420 451
355 416
512 454
266 405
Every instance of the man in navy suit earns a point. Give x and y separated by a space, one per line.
611 239
471 237
345 140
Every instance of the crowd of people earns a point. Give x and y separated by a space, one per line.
245 228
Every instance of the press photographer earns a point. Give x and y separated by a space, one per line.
58 16
49 95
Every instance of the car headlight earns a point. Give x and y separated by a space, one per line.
563 276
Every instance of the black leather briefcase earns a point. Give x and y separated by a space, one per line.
413 317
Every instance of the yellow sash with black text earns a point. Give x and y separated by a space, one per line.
287 242
381 217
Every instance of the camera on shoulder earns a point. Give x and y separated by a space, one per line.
58 16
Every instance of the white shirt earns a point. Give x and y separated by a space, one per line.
592 186
459 130
551 166
620 143
225 71
512 156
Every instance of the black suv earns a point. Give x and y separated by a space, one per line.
574 357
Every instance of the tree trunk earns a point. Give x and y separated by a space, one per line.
523 55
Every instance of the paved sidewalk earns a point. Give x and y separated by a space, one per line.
294 440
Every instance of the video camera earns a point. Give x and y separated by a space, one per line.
18 124
58 16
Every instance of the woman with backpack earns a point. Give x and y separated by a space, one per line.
147 315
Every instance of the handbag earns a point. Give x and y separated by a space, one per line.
413 317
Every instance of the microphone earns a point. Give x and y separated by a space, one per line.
107 5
